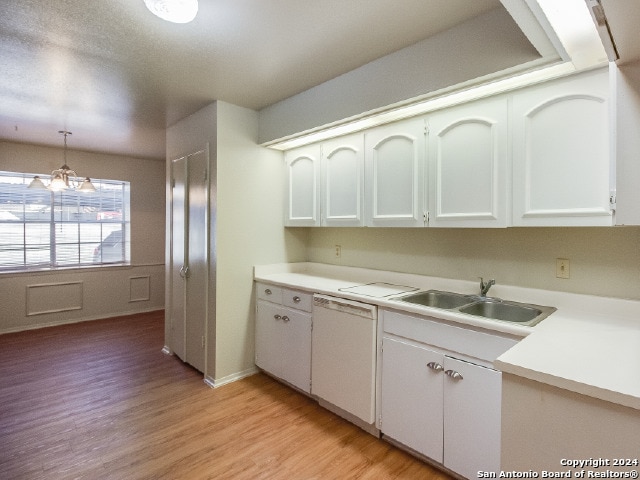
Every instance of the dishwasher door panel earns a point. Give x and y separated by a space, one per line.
343 360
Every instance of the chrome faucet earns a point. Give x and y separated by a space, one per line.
484 287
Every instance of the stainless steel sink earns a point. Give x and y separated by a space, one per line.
486 307
438 299
523 314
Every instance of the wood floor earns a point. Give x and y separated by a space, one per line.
99 400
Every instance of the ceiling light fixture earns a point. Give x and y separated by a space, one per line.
176 11
64 178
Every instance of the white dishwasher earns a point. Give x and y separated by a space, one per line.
343 355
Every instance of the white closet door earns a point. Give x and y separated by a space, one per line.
197 276
178 260
189 266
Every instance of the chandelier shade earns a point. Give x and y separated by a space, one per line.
64 178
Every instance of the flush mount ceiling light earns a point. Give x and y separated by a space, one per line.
176 11
64 178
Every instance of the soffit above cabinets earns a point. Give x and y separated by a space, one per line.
563 33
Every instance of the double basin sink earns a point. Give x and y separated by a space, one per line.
487 307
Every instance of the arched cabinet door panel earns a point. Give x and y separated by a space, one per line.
343 181
395 175
468 165
562 165
302 200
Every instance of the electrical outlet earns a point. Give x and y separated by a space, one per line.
563 268
338 251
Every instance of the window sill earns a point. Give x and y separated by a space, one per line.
78 269
59 270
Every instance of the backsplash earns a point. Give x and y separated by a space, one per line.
604 261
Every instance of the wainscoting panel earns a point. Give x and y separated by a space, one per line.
54 297
140 288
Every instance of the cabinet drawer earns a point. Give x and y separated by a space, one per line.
296 299
270 293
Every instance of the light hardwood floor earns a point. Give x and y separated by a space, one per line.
99 400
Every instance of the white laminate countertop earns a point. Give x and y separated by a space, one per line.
590 345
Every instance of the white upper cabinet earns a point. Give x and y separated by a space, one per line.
562 165
468 165
394 175
539 156
303 169
343 181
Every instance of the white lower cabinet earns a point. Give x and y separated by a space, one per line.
472 406
283 335
445 408
412 410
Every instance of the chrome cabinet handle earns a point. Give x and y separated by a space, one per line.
268 291
453 374
277 317
435 366
285 318
182 271
296 299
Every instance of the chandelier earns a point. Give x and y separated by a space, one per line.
176 11
64 178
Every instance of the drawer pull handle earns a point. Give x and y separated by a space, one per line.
268 291
285 318
455 375
435 366
277 317
296 299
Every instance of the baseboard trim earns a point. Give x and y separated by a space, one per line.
215 383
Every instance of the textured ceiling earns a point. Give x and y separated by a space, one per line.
116 76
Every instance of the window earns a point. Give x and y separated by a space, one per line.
40 229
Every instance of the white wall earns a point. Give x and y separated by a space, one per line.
481 46
249 231
106 291
246 188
